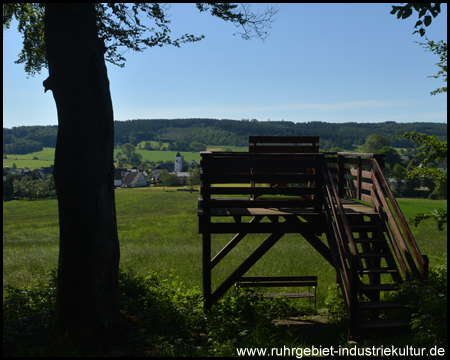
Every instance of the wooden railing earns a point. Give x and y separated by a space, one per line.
262 171
365 181
346 259
352 173
393 221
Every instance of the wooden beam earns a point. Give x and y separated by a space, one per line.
228 247
206 256
245 266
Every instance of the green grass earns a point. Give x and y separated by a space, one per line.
46 157
166 156
158 231
169 156
160 282
430 241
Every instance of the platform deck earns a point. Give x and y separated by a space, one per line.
350 207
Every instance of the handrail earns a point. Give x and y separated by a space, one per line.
343 218
377 176
377 204
354 264
371 186
342 159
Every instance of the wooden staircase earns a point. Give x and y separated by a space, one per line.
371 255
380 274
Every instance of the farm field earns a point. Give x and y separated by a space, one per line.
158 231
168 155
46 157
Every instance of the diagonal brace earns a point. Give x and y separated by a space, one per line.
244 267
233 242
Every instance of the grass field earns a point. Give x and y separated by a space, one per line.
158 231
46 157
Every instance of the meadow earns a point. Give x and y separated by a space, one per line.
158 232
46 157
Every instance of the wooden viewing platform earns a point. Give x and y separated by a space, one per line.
299 190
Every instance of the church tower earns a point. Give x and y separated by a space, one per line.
178 165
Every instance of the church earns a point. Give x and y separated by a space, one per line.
173 168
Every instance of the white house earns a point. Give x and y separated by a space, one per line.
133 179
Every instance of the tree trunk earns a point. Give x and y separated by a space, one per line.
87 310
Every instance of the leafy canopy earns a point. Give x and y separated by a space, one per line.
427 11
120 26
440 49
375 142
431 150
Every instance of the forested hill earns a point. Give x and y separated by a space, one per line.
24 139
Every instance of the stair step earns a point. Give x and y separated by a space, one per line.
369 240
379 287
375 305
364 227
379 271
375 324
373 255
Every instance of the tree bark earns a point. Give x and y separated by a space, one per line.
87 310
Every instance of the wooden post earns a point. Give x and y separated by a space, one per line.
340 166
358 179
353 306
207 271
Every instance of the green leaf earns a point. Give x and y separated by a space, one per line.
427 20
418 23
395 9
422 32
407 13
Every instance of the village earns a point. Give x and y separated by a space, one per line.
136 177
123 177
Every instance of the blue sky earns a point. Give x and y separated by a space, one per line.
321 62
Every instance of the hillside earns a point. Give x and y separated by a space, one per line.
27 139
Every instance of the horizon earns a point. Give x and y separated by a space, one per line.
337 63
306 122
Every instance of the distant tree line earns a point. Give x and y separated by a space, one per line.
26 139
22 146
234 132
179 132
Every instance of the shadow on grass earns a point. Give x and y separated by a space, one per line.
165 319
162 320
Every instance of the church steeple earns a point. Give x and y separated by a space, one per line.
178 165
